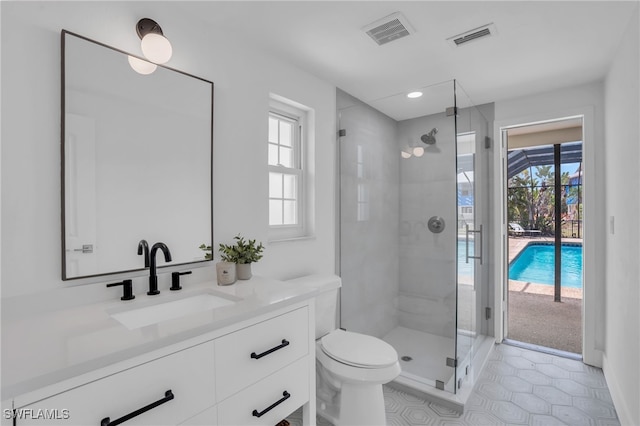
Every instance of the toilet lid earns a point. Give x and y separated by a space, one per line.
358 349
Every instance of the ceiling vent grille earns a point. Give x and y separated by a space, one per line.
389 28
474 34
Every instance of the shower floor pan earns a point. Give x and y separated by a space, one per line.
428 353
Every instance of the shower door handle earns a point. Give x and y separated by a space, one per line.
479 233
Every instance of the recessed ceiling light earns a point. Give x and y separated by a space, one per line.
414 95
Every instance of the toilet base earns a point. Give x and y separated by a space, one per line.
349 395
361 405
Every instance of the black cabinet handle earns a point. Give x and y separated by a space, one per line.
168 396
285 395
285 342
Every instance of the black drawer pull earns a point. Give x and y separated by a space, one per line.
168 396
285 342
285 395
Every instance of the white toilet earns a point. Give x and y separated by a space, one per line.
350 367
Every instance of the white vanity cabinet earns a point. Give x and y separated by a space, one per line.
188 375
262 371
256 372
253 353
269 400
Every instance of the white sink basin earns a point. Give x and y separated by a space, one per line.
141 317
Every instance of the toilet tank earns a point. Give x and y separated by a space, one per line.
327 300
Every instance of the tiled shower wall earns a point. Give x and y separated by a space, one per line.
370 209
427 288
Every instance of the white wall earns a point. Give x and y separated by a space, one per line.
622 342
243 76
612 189
587 100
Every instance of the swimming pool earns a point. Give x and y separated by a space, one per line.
535 264
465 268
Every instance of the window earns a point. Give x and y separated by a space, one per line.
287 171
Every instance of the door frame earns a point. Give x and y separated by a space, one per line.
593 281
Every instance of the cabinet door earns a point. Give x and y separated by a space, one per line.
250 354
270 400
188 374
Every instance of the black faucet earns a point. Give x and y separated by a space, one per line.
153 278
143 246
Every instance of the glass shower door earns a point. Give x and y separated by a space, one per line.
471 132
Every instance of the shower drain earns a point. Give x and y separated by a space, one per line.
406 358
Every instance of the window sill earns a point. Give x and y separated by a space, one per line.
277 240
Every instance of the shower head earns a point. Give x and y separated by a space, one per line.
429 138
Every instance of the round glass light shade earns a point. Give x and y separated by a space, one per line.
414 95
142 67
405 154
156 48
418 151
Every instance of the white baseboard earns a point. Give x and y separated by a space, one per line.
592 357
624 411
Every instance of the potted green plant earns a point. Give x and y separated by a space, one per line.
225 270
243 253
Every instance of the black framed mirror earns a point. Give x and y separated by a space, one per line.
136 161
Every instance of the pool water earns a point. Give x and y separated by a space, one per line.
465 268
535 264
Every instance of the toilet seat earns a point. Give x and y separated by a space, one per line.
358 350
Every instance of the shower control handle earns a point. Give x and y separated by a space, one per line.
436 224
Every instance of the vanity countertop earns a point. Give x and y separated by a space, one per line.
42 350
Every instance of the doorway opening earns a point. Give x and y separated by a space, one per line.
544 202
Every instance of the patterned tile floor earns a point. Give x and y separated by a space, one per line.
517 387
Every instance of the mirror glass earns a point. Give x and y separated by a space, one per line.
137 156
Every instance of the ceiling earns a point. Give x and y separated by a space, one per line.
540 45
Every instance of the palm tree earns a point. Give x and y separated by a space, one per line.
544 202
518 205
531 196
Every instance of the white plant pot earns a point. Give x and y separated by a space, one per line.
226 273
244 271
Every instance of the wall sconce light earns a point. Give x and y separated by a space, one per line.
418 151
155 46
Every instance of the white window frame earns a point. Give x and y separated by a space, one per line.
298 117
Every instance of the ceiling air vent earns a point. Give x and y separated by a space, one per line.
474 34
389 28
